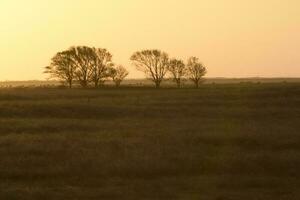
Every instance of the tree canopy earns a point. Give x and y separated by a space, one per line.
82 64
154 63
195 71
118 74
178 70
88 66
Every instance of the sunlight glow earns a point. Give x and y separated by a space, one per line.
234 38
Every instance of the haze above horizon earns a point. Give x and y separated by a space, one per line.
233 38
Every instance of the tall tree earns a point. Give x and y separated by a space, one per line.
118 74
102 62
62 68
195 71
153 63
178 70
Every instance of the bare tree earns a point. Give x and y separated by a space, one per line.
178 70
102 62
118 74
82 57
195 71
62 68
153 63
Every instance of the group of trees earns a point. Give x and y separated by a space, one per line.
157 64
87 66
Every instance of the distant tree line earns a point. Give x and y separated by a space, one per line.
93 66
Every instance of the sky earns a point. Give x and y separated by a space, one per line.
233 38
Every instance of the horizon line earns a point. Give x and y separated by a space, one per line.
220 77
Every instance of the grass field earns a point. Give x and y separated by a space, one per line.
220 142
148 83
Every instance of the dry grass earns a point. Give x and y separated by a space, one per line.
221 142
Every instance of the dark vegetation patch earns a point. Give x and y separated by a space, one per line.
220 142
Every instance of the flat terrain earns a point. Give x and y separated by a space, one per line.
148 83
218 142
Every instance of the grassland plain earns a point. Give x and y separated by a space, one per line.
219 142
148 83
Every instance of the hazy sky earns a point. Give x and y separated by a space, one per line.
233 38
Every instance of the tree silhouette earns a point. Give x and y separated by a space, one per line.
195 71
87 65
153 63
118 74
81 63
178 70
102 62
82 57
62 68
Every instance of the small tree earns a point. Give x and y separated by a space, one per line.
154 63
178 70
62 68
195 71
118 74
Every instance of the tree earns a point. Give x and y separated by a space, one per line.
195 70
178 70
81 63
62 68
102 62
83 58
118 74
153 63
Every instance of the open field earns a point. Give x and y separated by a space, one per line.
219 142
148 83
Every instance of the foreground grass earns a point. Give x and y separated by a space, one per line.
221 142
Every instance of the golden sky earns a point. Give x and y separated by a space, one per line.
233 38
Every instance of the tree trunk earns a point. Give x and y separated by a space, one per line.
96 83
84 83
157 84
197 84
178 83
118 84
70 84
